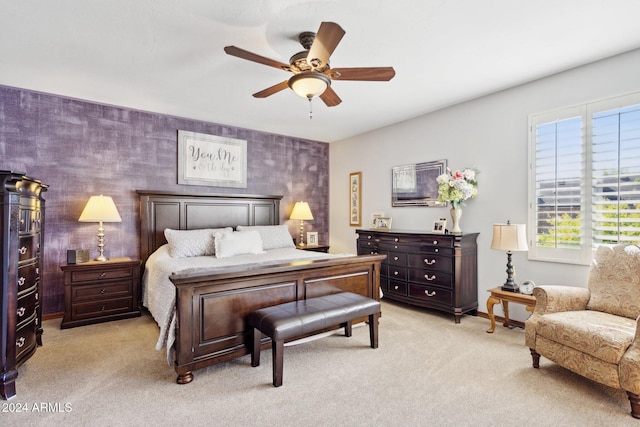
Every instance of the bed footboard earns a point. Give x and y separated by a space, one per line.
212 309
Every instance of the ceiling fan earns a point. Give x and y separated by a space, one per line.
312 75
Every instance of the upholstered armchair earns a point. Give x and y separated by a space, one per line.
594 332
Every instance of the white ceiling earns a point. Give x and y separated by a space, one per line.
167 56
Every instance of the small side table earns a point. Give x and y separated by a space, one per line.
96 291
314 248
498 295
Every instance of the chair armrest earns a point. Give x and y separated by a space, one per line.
553 299
629 366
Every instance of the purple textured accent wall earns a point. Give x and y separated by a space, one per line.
81 148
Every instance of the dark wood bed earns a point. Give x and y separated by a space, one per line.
212 308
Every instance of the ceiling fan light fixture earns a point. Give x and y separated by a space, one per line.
309 85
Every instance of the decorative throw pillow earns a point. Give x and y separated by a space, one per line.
238 243
273 236
190 243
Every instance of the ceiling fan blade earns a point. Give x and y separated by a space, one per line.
330 98
249 56
367 73
271 90
327 38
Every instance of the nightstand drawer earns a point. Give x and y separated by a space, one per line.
102 274
94 310
110 290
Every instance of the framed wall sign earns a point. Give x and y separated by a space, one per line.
211 160
355 199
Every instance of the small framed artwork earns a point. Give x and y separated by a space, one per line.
355 199
383 223
440 226
374 218
312 238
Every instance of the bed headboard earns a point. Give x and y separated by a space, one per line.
179 211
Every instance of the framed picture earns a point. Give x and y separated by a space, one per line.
374 218
383 223
355 199
415 184
211 160
440 226
312 238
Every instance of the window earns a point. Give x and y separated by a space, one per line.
584 179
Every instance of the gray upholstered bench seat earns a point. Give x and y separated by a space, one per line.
301 318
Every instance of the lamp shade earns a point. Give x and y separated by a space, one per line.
301 211
100 208
310 84
509 237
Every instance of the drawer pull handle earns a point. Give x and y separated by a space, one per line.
395 258
435 242
21 281
426 276
395 273
36 295
437 250
103 290
368 237
429 262
21 311
429 294
368 243
372 252
395 287
22 222
103 274
22 250
396 240
20 342
102 308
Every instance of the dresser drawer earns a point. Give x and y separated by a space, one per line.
397 273
437 295
430 261
430 277
101 274
26 306
399 288
26 337
93 310
28 247
397 258
27 276
109 290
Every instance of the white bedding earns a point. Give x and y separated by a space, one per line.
159 294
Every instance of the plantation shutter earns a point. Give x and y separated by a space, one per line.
616 175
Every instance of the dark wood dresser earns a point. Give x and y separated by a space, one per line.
21 231
100 291
438 271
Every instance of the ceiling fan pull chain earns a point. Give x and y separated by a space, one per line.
310 110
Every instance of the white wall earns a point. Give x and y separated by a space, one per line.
489 133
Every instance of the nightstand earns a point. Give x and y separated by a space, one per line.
314 248
100 291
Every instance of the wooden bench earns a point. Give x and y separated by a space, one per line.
305 317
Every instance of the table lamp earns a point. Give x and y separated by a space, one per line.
301 211
100 209
509 238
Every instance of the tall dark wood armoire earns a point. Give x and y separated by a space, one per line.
21 238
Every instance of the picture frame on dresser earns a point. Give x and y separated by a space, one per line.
383 223
440 226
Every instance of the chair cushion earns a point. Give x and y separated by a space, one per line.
614 280
601 335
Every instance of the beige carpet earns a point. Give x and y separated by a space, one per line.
428 371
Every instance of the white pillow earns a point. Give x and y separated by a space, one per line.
190 243
238 243
273 236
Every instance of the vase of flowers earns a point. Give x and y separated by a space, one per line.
455 188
